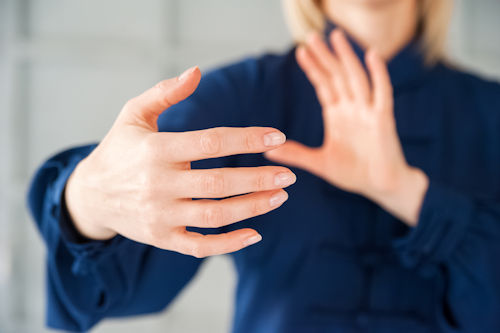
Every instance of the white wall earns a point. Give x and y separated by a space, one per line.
68 66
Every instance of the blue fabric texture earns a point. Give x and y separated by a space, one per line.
329 261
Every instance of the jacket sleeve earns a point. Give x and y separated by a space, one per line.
457 241
90 280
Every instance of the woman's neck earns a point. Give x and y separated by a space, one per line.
385 25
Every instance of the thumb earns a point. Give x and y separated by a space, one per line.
296 154
145 108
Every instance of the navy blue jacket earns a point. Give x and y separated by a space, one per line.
329 261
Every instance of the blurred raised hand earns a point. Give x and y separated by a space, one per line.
361 151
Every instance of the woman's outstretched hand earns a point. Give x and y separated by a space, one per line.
361 151
139 183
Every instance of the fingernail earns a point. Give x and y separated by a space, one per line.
186 73
284 179
278 199
252 240
274 139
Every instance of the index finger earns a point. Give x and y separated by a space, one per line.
219 142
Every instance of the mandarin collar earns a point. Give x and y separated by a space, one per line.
407 67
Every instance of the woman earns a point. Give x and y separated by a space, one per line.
394 220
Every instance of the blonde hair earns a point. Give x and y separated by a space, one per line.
304 16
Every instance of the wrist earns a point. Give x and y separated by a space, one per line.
79 209
405 199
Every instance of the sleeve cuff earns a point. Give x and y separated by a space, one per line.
442 223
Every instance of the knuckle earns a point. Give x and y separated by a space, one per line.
162 242
213 184
210 143
255 208
161 88
147 192
260 182
151 231
198 251
250 141
151 147
213 217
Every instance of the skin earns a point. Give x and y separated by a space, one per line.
139 183
361 152
388 25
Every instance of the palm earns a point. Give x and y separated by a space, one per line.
360 147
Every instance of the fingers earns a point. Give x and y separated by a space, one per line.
357 79
295 154
219 213
225 182
145 108
217 142
201 246
334 76
381 82
329 65
215 214
316 76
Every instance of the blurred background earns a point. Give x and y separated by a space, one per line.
66 69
